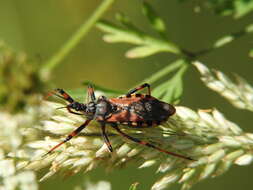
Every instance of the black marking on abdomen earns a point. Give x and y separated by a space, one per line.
138 124
138 95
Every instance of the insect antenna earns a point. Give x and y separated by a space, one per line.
62 107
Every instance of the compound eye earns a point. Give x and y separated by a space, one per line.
73 105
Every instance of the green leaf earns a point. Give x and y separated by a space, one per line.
175 91
237 8
233 36
134 186
165 71
118 34
243 7
249 28
142 51
155 21
251 53
223 41
148 44
171 90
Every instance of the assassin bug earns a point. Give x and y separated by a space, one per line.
134 110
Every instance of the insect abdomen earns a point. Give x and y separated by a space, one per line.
152 110
140 111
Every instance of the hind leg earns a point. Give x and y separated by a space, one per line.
148 144
139 88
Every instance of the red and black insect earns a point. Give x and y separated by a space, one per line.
134 110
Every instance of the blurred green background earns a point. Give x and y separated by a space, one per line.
40 28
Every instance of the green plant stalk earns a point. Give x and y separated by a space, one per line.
163 72
75 39
219 43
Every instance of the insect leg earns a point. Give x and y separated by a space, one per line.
70 111
148 144
63 94
70 136
139 88
106 139
91 93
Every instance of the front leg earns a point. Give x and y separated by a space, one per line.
70 111
63 95
70 136
105 137
91 93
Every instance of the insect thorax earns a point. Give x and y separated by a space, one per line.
104 109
